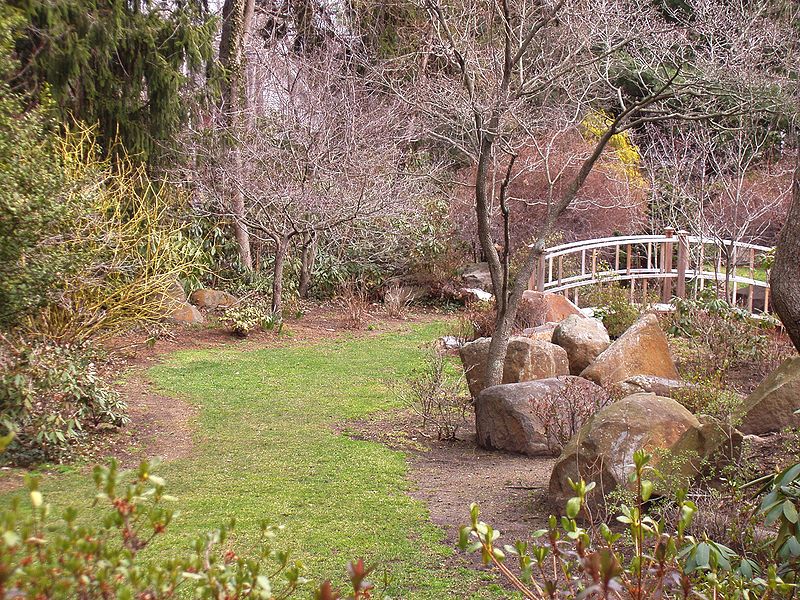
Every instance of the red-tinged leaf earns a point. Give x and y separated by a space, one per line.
326 592
358 571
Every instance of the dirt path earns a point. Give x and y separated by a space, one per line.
448 476
509 489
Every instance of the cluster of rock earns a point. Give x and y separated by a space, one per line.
181 309
636 368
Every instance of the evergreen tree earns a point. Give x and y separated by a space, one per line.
126 65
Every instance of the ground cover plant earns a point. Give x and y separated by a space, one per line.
645 557
267 451
51 396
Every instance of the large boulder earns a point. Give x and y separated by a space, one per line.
526 360
583 338
773 404
546 307
641 350
175 294
186 314
660 386
543 333
210 299
510 417
603 449
477 276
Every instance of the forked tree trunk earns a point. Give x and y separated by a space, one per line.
508 304
784 279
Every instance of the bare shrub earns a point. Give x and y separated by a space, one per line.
613 197
477 321
396 300
727 343
356 305
436 394
563 413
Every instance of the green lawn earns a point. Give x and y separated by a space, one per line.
266 450
759 273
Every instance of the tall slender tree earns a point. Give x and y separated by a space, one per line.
237 19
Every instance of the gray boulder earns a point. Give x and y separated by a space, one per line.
510 417
773 404
477 276
583 338
526 360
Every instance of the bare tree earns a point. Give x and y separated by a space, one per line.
613 198
730 182
506 73
317 151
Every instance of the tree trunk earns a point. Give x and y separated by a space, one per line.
784 279
281 250
307 264
240 230
507 308
237 16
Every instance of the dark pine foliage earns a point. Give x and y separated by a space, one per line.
125 65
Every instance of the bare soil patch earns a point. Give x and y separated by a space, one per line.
448 475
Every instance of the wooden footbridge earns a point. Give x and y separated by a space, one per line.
672 264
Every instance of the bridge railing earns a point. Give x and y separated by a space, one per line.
673 261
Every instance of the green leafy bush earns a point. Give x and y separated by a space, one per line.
648 558
247 317
613 307
706 395
90 245
40 558
780 506
724 337
51 396
30 177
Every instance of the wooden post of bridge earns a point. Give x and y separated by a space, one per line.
537 279
666 266
683 262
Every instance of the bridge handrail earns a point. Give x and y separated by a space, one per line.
612 241
623 274
692 264
716 242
